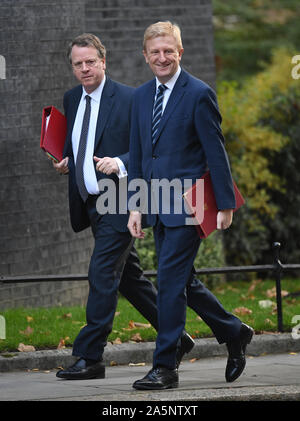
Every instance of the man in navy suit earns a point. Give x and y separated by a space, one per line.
176 135
97 149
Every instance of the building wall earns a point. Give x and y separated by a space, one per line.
35 232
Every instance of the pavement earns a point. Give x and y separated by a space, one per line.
272 374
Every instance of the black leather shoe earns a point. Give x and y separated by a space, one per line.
83 370
236 349
186 345
157 379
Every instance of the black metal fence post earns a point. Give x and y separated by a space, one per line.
278 271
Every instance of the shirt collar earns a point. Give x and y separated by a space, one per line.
171 82
96 94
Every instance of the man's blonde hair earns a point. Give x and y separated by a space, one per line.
160 29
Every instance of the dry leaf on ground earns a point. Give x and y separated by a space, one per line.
136 364
266 303
144 325
61 344
25 348
242 311
136 337
28 331
253 285
271 293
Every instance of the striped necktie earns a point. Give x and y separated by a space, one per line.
157 111
81 150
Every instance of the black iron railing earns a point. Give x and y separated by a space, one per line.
276 268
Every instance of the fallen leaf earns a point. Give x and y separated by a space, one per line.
193 360
253 285
265 332
117 313
242 311
274 311
136 364
144 325
117 341
29 319
61 344
269 321
266 303
131 326
136 337
67 316
28 331
113 363
271 293
25 348
293 353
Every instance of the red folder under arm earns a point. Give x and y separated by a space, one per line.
205 210
53 133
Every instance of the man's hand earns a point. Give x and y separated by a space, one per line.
224 219
106 165
135 224
62 166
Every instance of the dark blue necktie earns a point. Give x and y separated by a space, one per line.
81 150
157 111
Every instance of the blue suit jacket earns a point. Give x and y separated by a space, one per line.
189 142
112 139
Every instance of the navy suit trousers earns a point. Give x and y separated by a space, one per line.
115 265
177 287
105 270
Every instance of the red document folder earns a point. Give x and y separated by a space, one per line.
205 211
53 133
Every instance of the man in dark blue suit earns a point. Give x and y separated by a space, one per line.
97 149
176 135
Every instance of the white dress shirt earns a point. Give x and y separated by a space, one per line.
89 173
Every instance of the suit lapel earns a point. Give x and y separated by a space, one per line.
73 107
176 95
106 104
148 110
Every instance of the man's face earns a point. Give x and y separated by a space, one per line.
163 56
88 67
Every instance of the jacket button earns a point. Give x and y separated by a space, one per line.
154 156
